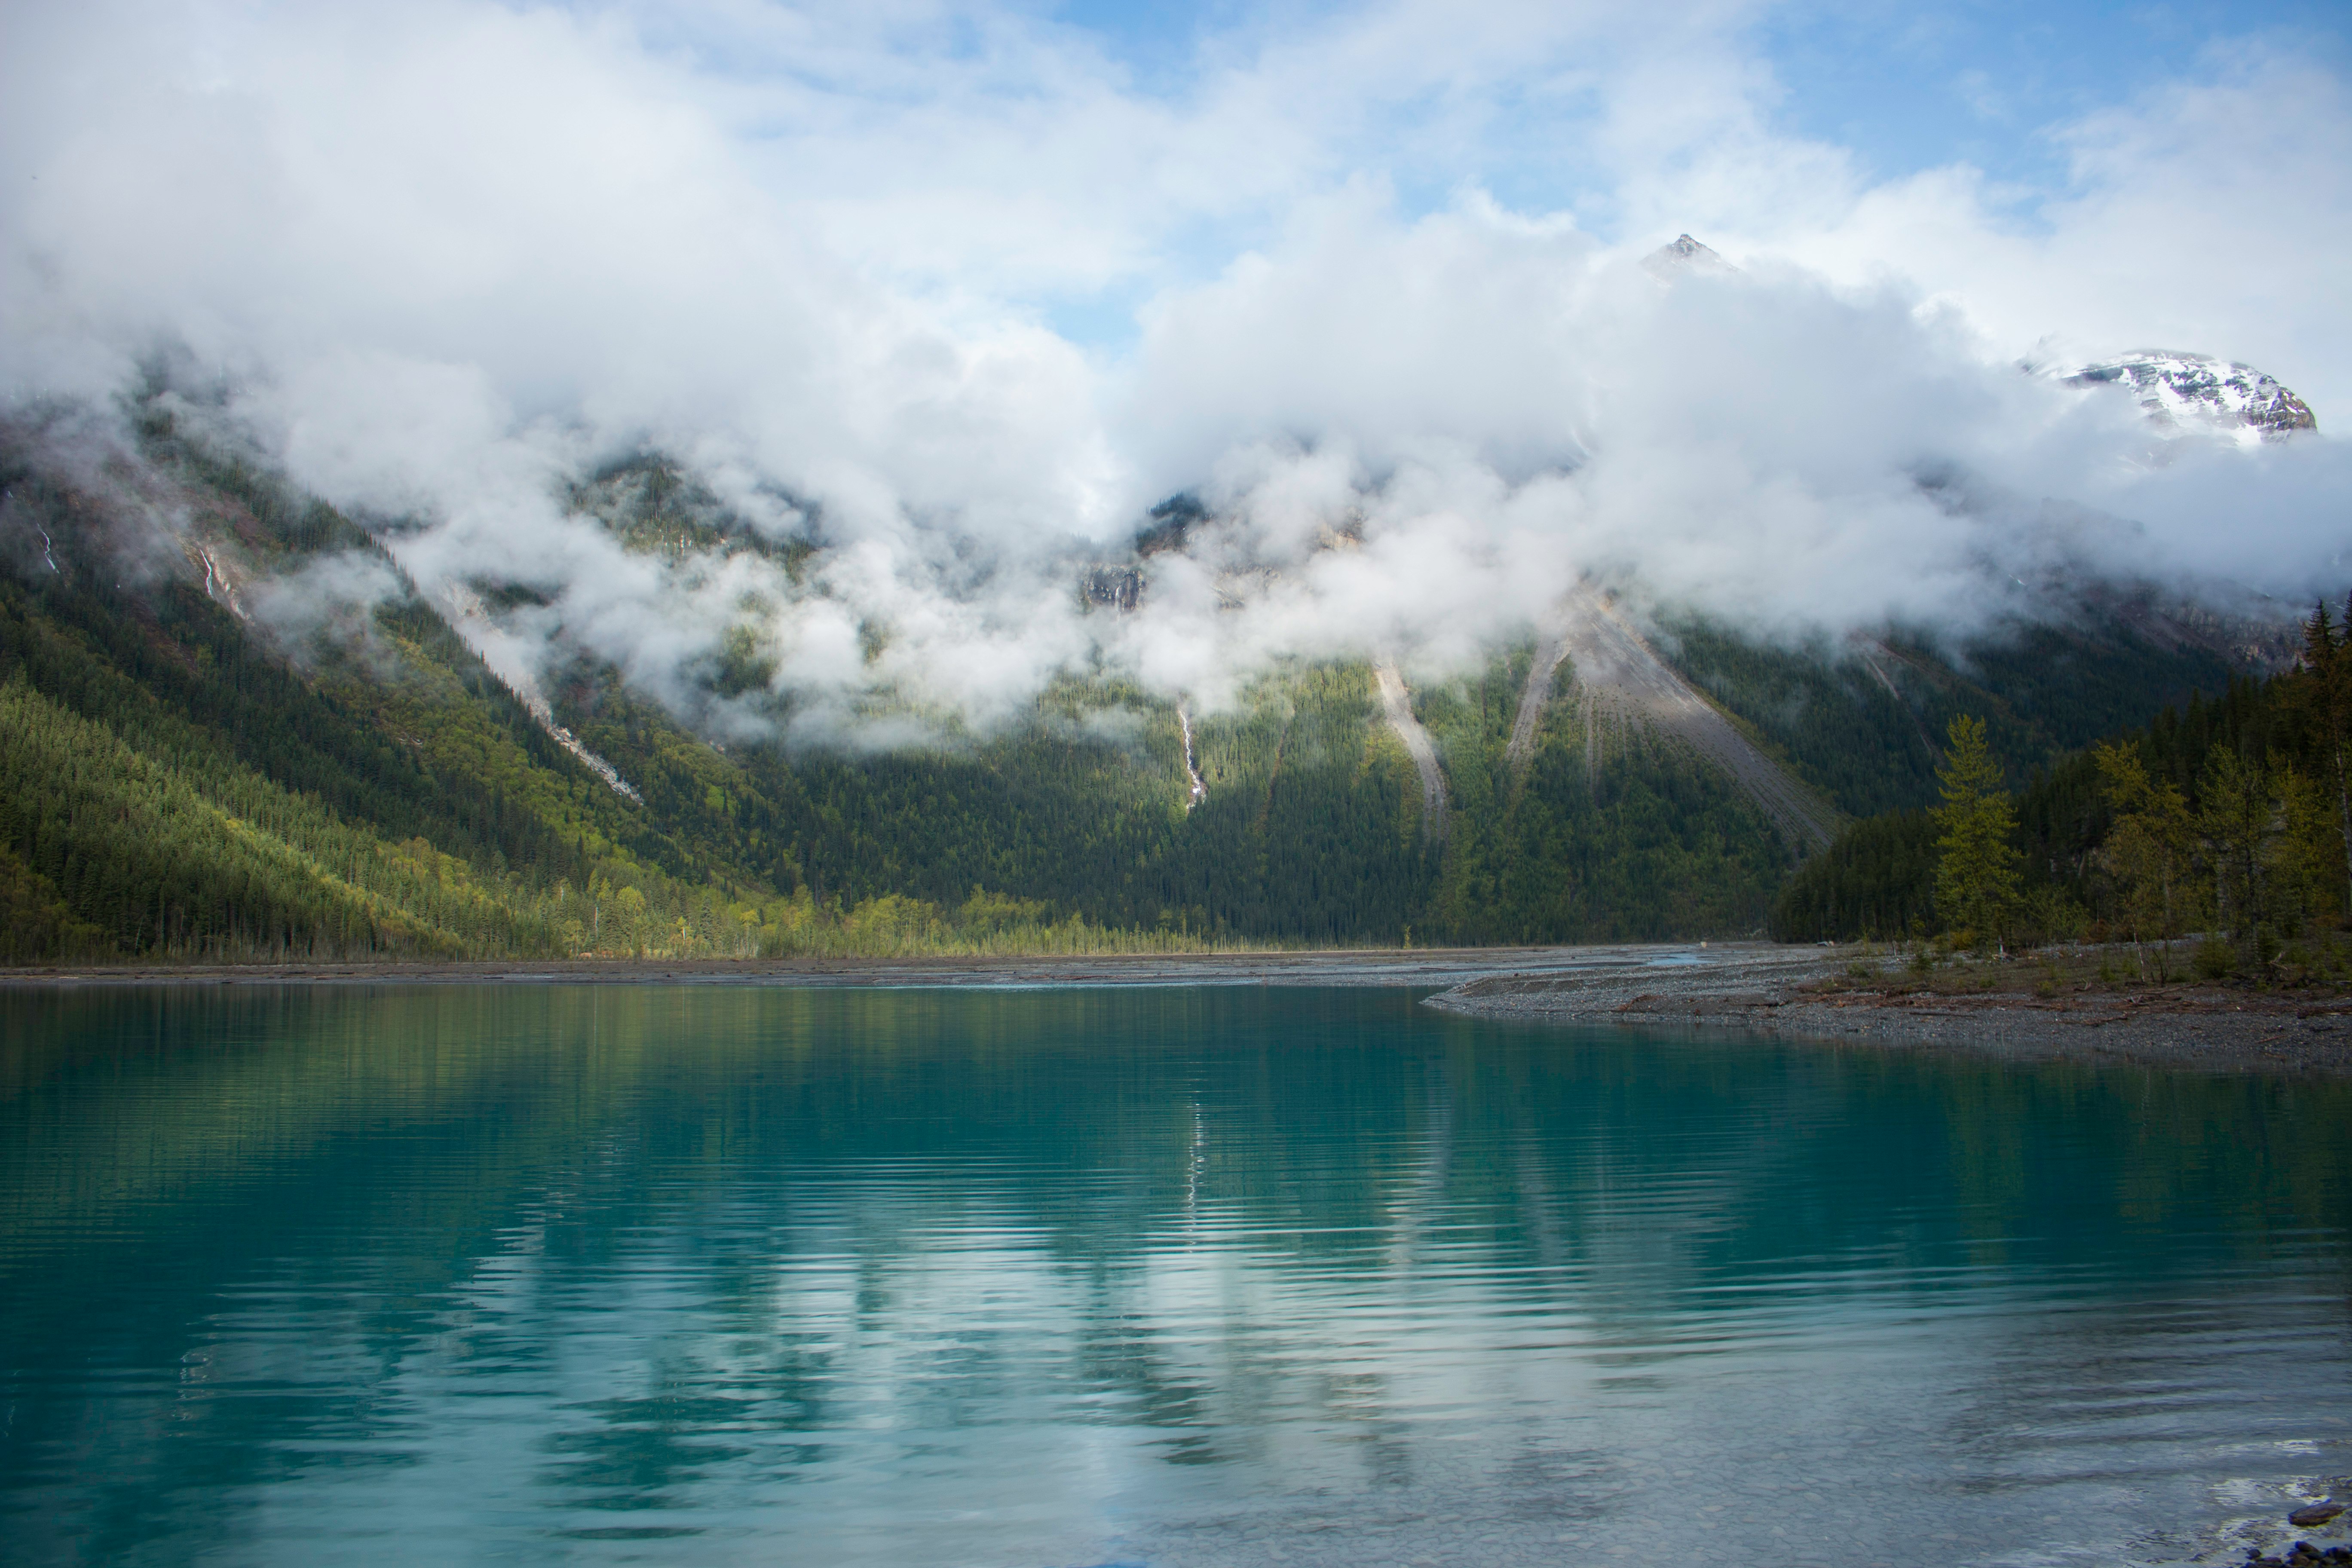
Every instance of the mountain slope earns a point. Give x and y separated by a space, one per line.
1863 721
1623 681
260 724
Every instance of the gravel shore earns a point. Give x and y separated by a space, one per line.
1760 988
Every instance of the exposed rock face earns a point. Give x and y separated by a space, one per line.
1621 679
1685 255
470 619
1396 701
2195 392
1118 587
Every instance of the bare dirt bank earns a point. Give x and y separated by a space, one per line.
1808 993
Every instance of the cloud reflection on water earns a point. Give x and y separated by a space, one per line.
1160 1275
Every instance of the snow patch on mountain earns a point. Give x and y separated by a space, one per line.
1683 255
2196 392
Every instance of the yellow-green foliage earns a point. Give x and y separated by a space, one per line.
2149 851
218 860
425 706
984 924
189 856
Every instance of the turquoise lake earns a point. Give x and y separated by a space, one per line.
1156 1277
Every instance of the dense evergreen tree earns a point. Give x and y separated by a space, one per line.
1858 719
1608 832
2218 814
2148 857
1875 882
2326 697
1976 878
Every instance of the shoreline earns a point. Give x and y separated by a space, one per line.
1424 968
1748 987
1754 989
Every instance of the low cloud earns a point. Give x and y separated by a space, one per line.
454 260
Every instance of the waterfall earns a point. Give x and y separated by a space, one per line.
1200 792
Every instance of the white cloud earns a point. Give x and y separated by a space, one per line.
2210 216
453 252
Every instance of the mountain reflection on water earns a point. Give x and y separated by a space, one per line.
1164 1277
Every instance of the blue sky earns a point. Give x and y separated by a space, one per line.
1910 88
1903 86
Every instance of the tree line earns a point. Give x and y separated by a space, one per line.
2229 818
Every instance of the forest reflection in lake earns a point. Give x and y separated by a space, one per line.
1151 1276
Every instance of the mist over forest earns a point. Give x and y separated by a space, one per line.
937 321
730 479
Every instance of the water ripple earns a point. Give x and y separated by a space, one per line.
1168 1278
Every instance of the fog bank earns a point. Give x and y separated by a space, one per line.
445 265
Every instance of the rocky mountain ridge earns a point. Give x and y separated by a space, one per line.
2198 392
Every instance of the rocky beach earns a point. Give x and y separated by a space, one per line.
2020 1009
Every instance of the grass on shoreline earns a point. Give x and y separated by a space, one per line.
2315 967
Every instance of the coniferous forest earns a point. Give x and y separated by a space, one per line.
2230 819
187 772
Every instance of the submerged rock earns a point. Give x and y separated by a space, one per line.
2302 1553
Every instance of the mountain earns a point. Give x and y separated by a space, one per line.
2181 391
231 727
1683 254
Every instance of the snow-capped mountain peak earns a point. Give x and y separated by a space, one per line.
2191 392
1683 255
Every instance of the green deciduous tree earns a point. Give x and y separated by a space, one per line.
1977 865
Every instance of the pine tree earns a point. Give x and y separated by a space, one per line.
2327 659
2240 818
1977 866
2302 856
2148 853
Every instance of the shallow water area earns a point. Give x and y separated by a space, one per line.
1180 1276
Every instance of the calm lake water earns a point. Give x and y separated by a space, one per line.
1152 1276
